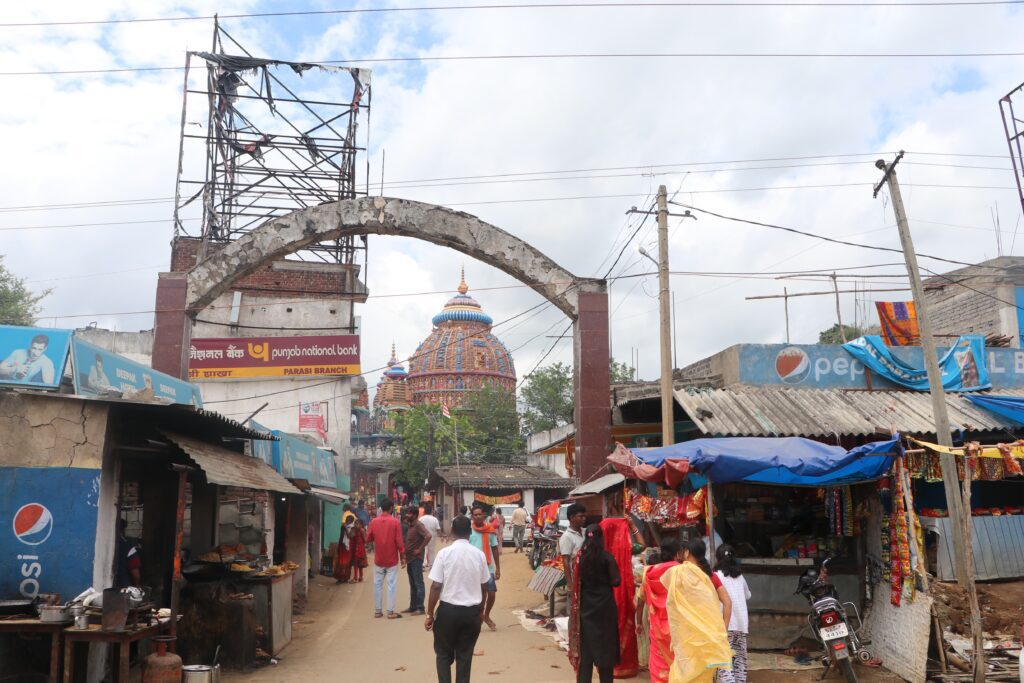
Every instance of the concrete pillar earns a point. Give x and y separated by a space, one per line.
591 384
171 326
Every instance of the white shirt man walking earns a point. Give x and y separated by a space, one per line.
434 527
459 578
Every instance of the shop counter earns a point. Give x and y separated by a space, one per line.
273 608
31 625
773 582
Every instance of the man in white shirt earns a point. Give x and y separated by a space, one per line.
572 540
520 518
459 578
434 527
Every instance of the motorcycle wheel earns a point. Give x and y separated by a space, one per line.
534 556
846 666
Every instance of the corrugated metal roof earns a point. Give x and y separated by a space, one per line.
228 468
782 411
503 476
599 485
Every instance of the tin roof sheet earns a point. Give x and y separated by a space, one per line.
502 476
784 411
228 468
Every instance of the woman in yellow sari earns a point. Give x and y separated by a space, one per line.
700 643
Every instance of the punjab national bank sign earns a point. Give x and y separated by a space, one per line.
261 357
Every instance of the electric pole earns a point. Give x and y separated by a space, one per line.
959 519
668 429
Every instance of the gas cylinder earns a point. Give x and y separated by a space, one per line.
162 666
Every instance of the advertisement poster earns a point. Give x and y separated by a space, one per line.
261 357
33 356
47 530
313 418
99 372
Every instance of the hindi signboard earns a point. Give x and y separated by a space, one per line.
33 356
313 417
262 357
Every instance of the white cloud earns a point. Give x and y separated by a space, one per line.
116 137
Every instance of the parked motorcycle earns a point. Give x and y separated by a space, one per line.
830 622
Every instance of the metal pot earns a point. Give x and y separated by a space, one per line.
53 614
198 673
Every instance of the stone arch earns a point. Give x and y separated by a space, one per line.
583 300
388 216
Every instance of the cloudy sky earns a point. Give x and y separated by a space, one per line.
566 146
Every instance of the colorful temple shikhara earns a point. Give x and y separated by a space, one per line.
392 395
460 356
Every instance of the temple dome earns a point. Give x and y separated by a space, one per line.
460 355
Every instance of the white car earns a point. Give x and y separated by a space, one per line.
506 533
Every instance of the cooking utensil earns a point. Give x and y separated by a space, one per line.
53 614
115 610
8 607
82 622
197 673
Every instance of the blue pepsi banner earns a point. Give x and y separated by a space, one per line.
261 449
99 372
962 366
47 530
33 356
826 366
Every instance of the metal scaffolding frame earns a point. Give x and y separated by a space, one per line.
1014 129
269 150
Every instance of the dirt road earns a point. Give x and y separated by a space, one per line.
337 638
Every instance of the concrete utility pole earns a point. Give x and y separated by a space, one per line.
668 428
931 363
959 524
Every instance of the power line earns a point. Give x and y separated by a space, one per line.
828 239
502 6
563 56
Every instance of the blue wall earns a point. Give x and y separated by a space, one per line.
50 547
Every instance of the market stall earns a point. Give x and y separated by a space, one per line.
783 504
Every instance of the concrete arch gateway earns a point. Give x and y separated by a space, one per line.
181 296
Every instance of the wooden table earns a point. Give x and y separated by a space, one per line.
122 639
29 625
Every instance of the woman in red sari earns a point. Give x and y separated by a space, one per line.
618 541
359 562
343 560
655 595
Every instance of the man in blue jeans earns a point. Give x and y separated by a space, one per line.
385 533
416 539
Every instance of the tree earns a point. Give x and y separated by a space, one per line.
18 305
620 372
428 440
833 336
495 430
547 397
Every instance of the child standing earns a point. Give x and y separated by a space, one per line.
358 550
728 570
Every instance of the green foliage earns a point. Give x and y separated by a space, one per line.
620 372
547 397
495 433
18 304
428 440
833 336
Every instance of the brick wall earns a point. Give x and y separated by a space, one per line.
281 278
976 299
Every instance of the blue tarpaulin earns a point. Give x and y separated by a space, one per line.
963 365
1010 407
791 461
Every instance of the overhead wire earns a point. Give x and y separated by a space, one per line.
513 6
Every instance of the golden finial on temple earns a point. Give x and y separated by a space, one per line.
463 287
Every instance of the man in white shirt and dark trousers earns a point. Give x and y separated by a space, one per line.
459 576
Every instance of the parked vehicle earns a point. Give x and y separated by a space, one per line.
506 532
543 548
830 622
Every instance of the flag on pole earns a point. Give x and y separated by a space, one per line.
444 410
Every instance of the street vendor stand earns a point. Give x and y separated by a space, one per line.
122 639
784 504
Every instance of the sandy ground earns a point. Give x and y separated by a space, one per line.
337 638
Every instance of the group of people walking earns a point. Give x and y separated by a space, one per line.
696 619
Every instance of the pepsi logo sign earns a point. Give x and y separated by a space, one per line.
792 365
33 524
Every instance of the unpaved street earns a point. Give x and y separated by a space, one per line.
337 638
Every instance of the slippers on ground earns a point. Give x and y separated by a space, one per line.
874 663
378 615
394 615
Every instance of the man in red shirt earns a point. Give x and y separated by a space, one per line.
385 532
